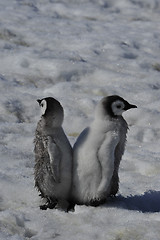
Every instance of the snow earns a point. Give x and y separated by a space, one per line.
78 52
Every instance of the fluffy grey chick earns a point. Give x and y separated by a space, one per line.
53 156
98 151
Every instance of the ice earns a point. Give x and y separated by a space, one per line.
78 52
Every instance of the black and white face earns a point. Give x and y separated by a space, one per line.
51 110
115 105
43 106
118 107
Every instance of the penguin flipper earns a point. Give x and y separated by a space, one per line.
106 159
55 159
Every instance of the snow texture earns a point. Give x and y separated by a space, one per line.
79 52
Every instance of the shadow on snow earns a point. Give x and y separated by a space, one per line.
148 202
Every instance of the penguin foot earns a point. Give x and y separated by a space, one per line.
97 202
43 207
62 205
114 189
114 186
71 206
49 205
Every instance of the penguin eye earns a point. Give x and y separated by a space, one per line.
42 105
119 106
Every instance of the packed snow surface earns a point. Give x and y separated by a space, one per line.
79 52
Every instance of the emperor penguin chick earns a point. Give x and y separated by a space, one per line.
53 156
98 151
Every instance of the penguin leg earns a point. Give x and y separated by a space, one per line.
51 203
96 203
71 206
62 205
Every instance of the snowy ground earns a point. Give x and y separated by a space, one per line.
78 52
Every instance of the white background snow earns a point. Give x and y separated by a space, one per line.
78 52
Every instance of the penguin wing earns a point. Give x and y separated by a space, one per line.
55 159
106 159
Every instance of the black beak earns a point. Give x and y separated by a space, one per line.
128 106
132 106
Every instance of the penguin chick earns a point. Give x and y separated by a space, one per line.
98 151
53 156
